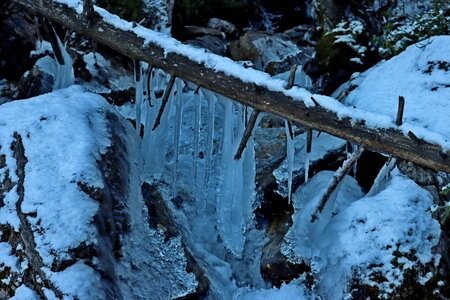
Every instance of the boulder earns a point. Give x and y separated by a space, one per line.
214 44
196 31
262 48
39 80
223 26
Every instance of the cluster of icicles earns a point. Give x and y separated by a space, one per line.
193 148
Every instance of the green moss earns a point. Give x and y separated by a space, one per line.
333 56
130 10
400 33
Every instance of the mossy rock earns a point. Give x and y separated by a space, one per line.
333 56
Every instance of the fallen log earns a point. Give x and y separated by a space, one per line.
253 88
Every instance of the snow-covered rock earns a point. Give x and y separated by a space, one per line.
373 240
73 220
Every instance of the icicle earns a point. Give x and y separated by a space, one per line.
210 139
382 176
290 157
138 83
236 188
355 166
197 124
64 72
309 136
306 167
156 141
178 122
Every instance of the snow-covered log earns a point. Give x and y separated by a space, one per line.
249 87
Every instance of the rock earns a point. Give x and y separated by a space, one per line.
329 12
39 80
223 26
275 268
8 91
302 34
277 67
422 176
160 217
17 40
262 48
214 44
199 12
196 31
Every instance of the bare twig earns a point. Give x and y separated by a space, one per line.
53 38
308 140
247 133
291 79
164 101
337 178
401 106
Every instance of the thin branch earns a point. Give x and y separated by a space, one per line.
309 140
337 178
247 133
88 12
401 106
164 101
53 38
291 79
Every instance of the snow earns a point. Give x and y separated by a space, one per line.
7 259
23 292
94 61
79 281
363 234
52 168
426 94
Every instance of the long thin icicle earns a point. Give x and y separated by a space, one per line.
290 157
138 82
210 139
197 121
178 122
306 166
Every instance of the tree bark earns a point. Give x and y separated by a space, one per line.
260 97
